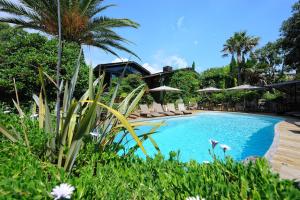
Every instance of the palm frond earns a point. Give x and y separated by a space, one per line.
14 9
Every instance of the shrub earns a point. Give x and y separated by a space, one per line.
188 82
273 96
21 53
23 175
127 85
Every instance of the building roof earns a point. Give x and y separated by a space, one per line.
113 67
168 72
284 84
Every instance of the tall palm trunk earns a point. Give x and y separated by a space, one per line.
59 55
239 63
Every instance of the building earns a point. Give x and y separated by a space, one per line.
153 80
161 78
116 69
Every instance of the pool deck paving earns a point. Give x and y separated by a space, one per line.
284 154
285 157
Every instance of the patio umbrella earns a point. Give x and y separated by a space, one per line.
245 87
209 89
164 89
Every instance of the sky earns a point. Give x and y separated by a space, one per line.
178 32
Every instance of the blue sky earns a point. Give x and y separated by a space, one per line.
180 32
177 32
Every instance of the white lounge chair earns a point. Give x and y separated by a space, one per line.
158 108
181 107
171 108
147 113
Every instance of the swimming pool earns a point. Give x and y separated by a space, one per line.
246 134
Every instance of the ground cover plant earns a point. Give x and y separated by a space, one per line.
25 174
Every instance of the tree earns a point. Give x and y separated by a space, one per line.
269 61
188 82
216 77
194 65
239 45
290 31
81 22
70 20
127 85
20 55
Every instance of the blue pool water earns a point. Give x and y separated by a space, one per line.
246 134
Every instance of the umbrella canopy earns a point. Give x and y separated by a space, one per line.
209 89
164 88
245 87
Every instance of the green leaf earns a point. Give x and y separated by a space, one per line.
7 134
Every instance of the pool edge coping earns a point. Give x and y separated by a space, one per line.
276 139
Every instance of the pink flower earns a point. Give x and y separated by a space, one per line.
225 147
213 143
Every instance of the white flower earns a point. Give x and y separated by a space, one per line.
195 198
34 115
206 162
95 133
225 147
64 190
6 111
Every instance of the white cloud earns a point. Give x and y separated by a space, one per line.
175 61
162 59
150 68
179 22
119 60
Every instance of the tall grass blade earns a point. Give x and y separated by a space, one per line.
74 78
21 113
126 124
7 134
64 132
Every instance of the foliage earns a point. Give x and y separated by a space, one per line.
81 21
194 66
290 42
187 81
273 95
21 54
28 126
238 46
216 77
231 97
114 177
23 175
268 62
79 118
128 84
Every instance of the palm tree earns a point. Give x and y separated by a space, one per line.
228 49
71 20
240 44
80 20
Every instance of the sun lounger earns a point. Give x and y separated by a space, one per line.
181 107
296 115
132 116
171 108
146 112
135 113
297 123
158 108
